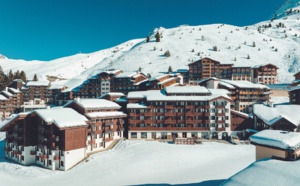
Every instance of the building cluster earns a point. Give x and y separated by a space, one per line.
88 116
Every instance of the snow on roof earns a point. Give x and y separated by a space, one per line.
58 84
121 99
14 90
116 114
38 83
267 172
186 90
166 81
136 105
5 121
279 139
182 70
126 74
3 98
226 85
157 95
115 94
7 93
241 113
138 83
270 115
93 103
244 84
62 117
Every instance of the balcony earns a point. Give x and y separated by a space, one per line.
207 107
43 156
220 114
220 129
169 107
220 121
170 121
206 114
108 139
207 121
190 121
169 114
148 114
91 141
189 106
56 158
220 107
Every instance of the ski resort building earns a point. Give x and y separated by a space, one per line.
59 138
240 123
206 68
162 81
279 117
294 95
242 73
11 100
276 144
243 93
297 79
181 112
106 122
264 74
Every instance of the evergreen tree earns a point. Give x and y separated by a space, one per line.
167 53
35 78
23 76
157 37
170 69
10 76
17 75
253 44
148 39
2 79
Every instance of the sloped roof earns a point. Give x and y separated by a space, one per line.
187 90
93 103
116 114
279 139
62 117
38 83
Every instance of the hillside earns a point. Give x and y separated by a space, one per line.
274 42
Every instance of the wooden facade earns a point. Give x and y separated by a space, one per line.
241 73
265 74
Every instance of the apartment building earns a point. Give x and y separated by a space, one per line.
127 82
96 86
241 73
178 112
11 100
206 67
265 74
243 93
36 91
160 82
106 122
297 79
59 138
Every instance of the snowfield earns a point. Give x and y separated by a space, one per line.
140 162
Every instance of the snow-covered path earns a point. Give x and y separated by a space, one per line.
139 162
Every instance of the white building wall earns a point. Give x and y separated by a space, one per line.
73 157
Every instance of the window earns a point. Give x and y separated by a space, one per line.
50 162
133 135
61 163
144 135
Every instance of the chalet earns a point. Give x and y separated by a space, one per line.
205 68
280 117
276 144
297 79
181 112
162 81
95 86
294 95
243 93
240 124
36 91
127 82
106 122
51 138
265 74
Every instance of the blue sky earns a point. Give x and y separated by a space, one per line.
49 29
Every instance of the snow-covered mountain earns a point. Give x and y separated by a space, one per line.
274 41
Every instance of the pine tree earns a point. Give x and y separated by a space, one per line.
253 44
248 57
148 39
23 76
157 37
2 79
35 78
140 69
167 53
170 69
17 75
10 76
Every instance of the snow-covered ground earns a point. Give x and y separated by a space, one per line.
140 162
